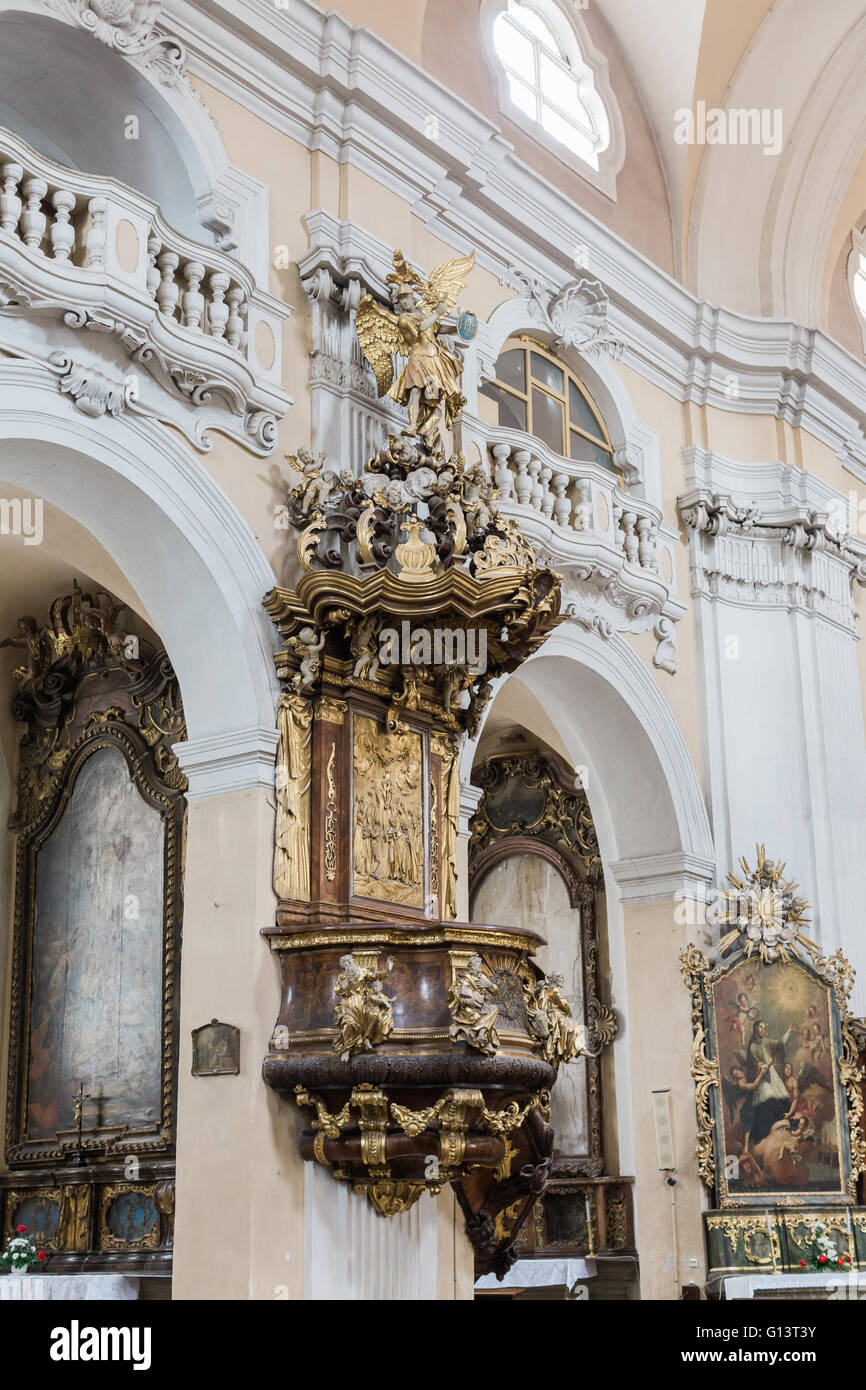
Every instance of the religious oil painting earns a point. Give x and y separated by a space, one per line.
96 1005
388 829
778 1116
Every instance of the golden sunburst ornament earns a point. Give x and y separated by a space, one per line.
765 911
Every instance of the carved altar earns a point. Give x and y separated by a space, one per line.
778 1088
422 1048
99 818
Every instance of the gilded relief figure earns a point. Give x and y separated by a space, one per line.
550 1019
292 848
429 384
388 823
471 1008
363 1011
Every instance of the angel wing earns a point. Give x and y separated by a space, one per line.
380 337
446 282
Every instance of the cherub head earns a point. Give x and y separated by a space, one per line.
350 967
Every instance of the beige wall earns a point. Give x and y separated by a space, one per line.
659 1049
239 1217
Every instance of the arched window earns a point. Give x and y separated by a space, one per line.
536 393
548 80
857 279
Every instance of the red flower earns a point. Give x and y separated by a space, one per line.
822 1259
802 1264
41 1255
840 1261
847 1259
19 1229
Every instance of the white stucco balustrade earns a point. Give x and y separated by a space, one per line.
129 313
612 548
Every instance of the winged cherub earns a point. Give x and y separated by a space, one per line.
429 384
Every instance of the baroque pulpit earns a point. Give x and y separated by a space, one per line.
421 1048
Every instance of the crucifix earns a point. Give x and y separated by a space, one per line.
78 1111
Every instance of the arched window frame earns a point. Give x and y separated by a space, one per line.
533 347
857 279
579 56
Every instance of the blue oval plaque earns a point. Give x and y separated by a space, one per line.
467 326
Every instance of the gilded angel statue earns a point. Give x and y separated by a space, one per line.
429 383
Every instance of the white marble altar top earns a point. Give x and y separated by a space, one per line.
85 1287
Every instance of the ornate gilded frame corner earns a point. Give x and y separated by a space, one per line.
704 1070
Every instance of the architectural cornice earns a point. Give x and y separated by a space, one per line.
228 762
663 878
343 90
770 535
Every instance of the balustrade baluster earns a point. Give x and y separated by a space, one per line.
152 276
523 482
218 311
547 498
645 545
33 219
561 504
193 299
583 508
535 491
10 203
168 291
502 473
235 322
630 541
62 234
97 234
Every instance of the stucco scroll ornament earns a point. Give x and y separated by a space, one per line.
550 1020
429 383
363 1012
126 25
577 315
92 392
765 911
470 1006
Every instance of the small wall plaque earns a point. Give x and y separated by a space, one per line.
216 1049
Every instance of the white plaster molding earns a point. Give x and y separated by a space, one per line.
142 494
228 762
663 878
345 91
470 796
175 321
783 749
770 536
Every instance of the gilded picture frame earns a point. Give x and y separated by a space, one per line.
777 1084
138 717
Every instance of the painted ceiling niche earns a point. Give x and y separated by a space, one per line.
104 117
